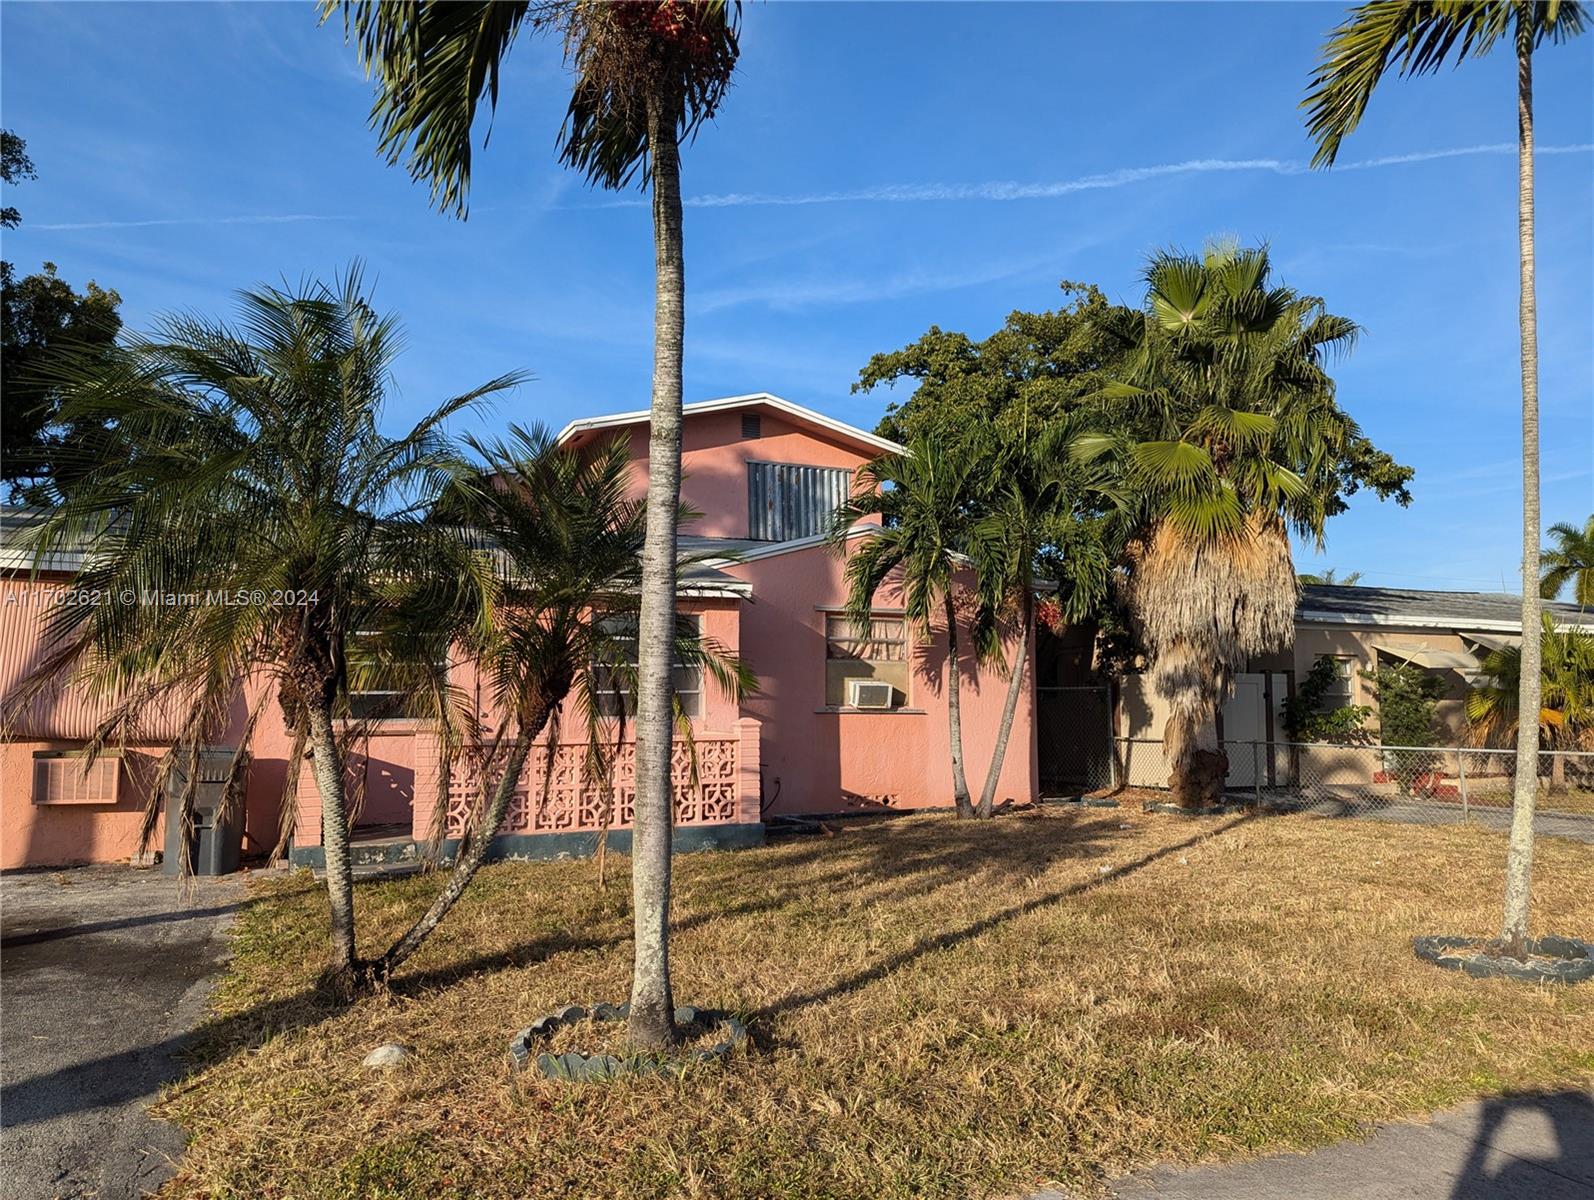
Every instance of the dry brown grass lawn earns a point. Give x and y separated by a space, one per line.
939 1009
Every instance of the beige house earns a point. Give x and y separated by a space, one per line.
1361 628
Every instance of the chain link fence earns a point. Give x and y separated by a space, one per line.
1418 784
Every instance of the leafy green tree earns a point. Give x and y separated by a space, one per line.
566 544
243 465
40 317
647 75
1019 381
15 166
1569 561
1218 436
1419 39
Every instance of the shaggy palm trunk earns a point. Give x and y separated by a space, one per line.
1015 685
954 710
1203 612
473 855
327 765
652 1019
1519 856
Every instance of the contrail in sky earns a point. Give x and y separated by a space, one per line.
908 193
1012 190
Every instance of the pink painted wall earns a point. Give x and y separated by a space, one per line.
714 458
830 761
57 835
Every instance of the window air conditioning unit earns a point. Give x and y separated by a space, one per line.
869 693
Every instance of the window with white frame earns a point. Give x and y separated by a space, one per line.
1341 692
878 652
614 692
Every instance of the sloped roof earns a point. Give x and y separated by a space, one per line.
1500 611
794 412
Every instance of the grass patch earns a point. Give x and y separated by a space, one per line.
939 1009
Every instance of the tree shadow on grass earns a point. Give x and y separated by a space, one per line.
913 860
955 937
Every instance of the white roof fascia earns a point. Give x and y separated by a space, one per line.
795 411
1309 617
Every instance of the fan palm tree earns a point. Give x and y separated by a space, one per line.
566 544
1421 38
1221 436
1570 560
247 519
925 499
646 77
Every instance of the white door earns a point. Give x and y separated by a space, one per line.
1244 721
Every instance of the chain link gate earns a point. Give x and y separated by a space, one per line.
1073 739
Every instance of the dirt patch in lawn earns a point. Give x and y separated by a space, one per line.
937 1009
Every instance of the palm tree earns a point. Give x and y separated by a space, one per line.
1032 506
247 519
1422 37
924 498
1329 577
1221 436
566 545
1570 560
1566 708
646 77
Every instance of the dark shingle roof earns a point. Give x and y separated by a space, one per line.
1456 609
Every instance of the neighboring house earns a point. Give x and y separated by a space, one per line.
765 475
1361 629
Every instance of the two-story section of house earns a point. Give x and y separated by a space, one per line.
850 718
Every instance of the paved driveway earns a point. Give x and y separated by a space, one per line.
103 974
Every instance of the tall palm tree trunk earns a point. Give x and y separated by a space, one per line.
954 709
327 765
475 853
1519 858
652 1019
1015 685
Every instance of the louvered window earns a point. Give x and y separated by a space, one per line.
787 501
60 777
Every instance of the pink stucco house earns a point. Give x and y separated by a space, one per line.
844 720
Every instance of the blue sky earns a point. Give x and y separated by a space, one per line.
876 169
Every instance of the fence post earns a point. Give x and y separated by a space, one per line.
1256 772
1461 779
1112 743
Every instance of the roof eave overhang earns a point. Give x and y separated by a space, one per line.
796 412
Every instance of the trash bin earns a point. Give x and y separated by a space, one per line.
215 846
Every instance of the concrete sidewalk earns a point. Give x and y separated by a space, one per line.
1531 1147
103 977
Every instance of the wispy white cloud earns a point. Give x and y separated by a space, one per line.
1008 190
259 219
